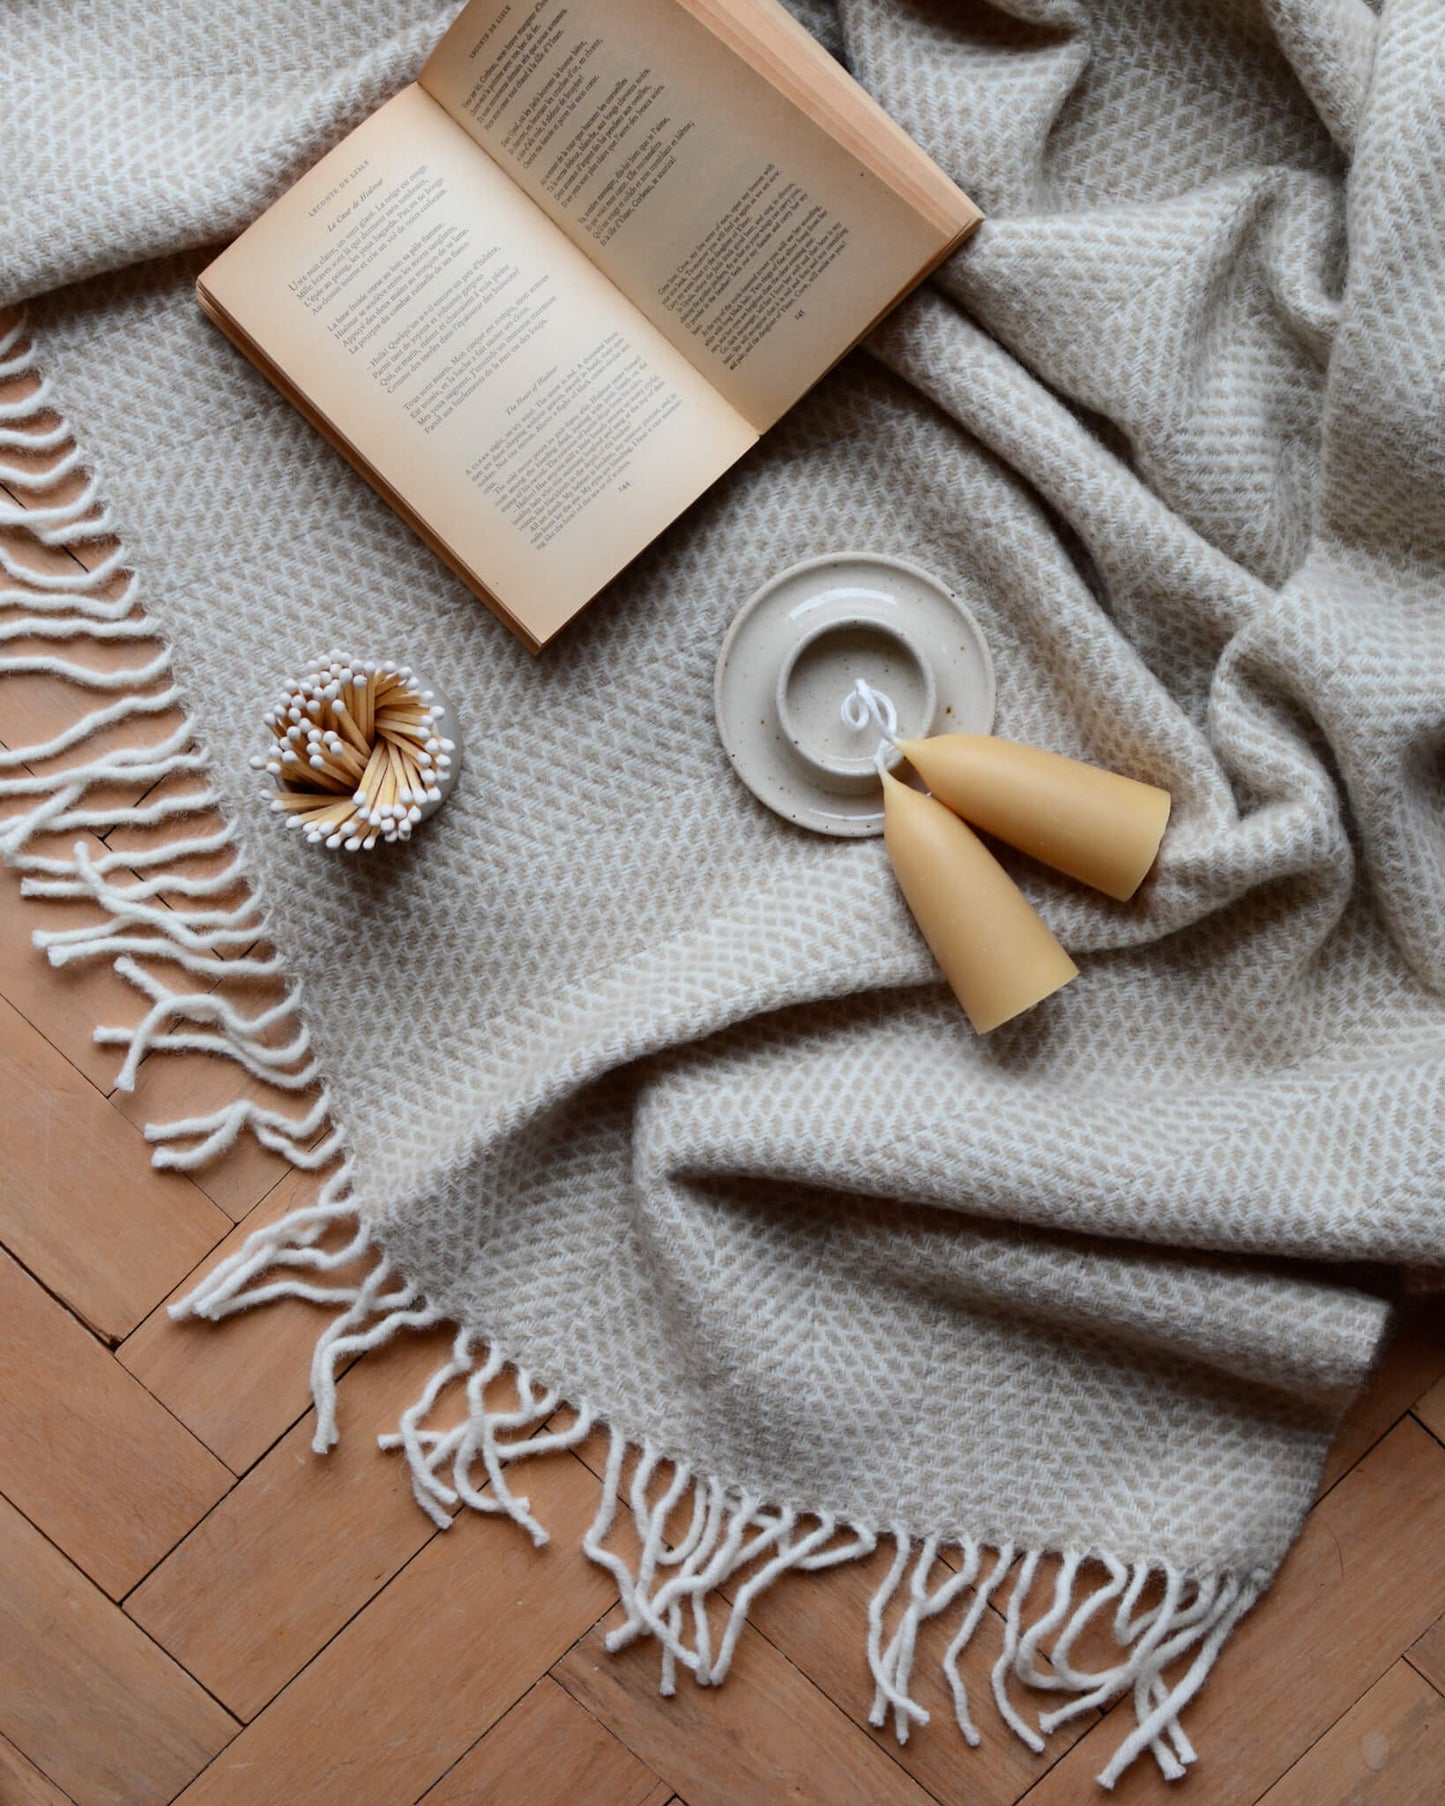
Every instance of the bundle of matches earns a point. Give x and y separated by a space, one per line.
359 755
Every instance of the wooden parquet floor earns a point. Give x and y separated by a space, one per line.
195 1607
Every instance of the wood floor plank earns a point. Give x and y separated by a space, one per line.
819 1622
82 1206
240 1383
85 1451
300 1544
1412 1361
767 1734
21 1782
1365 1580
1431 1410
84 1694
1428 1655
548 1752
440 1654
1387 1750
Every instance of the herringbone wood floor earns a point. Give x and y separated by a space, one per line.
194 1606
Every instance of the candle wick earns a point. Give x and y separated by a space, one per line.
862 705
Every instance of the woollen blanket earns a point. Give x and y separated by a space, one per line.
662 1099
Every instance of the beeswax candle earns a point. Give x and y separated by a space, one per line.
995 952
1095 825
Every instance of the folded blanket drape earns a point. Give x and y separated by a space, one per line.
662 1099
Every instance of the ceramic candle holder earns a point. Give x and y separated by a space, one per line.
797 649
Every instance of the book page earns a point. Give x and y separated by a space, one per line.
744 231
476 361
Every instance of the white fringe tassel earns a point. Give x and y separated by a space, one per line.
685 1578
706 1551
132 921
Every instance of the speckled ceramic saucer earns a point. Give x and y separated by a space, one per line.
796 650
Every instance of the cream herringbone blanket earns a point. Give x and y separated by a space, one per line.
662 1099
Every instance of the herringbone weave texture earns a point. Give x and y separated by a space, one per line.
666 1096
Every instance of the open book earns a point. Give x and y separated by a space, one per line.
548 294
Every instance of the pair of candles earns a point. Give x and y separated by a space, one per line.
1097 826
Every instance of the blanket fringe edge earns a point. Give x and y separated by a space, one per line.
703 1543
99 603
684 1577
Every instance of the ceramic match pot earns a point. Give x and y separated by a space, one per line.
361 752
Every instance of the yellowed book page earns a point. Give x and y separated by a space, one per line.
736 223
766 35
490 375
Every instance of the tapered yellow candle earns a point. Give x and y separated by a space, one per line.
1095 825
995 952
